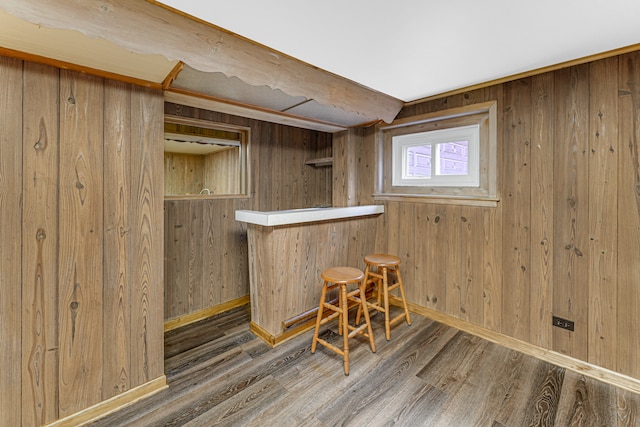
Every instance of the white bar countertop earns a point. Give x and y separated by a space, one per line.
296 216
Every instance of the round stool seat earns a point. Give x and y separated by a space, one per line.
382 260
345 275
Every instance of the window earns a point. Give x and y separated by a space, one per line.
203 158
447 157
443 157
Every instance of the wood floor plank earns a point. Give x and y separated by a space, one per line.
584 401
407 403
428 374
244 407
628 408
477 399
513 410
544 401
449 369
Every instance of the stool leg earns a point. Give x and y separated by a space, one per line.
404 300
363 295
314 343
344 316
385 297
365 309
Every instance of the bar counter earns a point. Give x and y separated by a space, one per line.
289 249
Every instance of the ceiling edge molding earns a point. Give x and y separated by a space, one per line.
147 27
182 97
525 74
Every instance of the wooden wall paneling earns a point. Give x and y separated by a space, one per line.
241 254
291 162
81 242
603 212
354 161
391 234
432 253
147 351
287 268
454 263
493 230
11 280
473 264
542 182
367 166
354 142
516 195
195 277
183 173
341 172
492 269
212 274
571 209
40 111
225 253
117 239
234 255
222 172
628 200
176 257
323 176
407 235
309 268
277 162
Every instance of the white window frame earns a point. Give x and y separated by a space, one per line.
401 144
390 184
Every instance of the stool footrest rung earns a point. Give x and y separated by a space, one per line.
329 318
331 346
355 330
398 318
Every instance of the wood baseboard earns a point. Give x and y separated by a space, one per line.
204 313
274 340
112 405
610 377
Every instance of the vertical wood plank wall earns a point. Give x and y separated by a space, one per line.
206 260
565 237
80 241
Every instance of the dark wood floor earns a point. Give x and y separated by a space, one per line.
427 375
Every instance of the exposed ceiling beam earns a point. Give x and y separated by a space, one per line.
147 27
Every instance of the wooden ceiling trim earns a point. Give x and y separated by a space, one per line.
207 102
79 68
526 74
147 27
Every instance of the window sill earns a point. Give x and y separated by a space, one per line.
489 202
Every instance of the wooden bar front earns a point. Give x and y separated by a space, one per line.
285 263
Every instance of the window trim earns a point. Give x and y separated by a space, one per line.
485 194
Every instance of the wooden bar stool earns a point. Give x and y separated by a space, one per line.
341 277
376 272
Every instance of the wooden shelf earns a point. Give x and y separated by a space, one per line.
325 161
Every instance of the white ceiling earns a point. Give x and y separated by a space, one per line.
411 49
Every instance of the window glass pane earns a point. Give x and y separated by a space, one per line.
453 158
419 161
